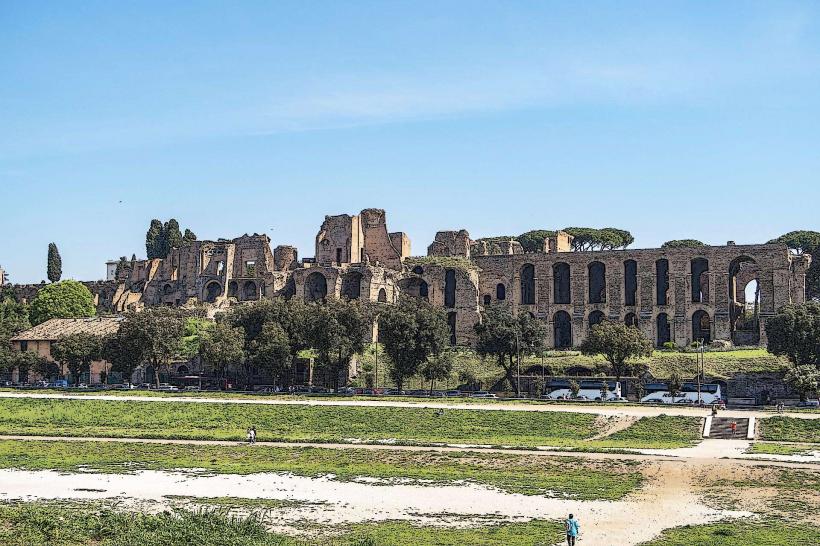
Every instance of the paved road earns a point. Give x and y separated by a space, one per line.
608 410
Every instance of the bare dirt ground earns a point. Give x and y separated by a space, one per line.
608 410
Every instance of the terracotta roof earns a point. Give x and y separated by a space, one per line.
54 329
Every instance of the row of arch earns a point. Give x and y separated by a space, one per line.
562 326
316 287
597 282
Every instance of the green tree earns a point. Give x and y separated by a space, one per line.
64 299
54 268
337 332
153 240
574 388
806 242
412 332
437 368
503 336
271 350
683 243
585 238
291 315
222 347
533 241
618 343
155 334
188 237
28 361
675 384
123 265
123 353
794 332
171 237
76 352
803 379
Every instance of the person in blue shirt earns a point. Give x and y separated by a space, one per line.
572 530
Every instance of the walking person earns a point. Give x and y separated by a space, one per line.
248 436
253 435
573 529
734 428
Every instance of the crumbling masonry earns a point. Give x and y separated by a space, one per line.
673 295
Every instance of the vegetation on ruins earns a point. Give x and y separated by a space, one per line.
505 337
76 352
585 238
412 332
64 299
618 343
533 241
683 243
806 242
794 332
54 265
161 238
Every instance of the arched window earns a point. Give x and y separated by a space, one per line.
414 287
597 282
561 283
596 317
528 284
168 289
352 285
212 291
631 319
382 298
249 290
662 281
233 289
487 299
316 287
664 330
500 292
630 282
700 280
418 270
562 330
701 326
450 288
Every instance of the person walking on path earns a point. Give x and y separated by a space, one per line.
253 435
573 529
734 428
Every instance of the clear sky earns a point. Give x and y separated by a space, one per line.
672 120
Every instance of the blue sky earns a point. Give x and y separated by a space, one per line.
672 120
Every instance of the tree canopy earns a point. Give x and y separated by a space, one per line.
502 335
533 241
54 266
161 238
64 299
155 334
618 343
412 332
221 347
337 332
803 379
683 243
794 332
806 242
76 352
585 238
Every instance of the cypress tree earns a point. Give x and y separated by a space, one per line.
152 240
189 237
54 268
171 236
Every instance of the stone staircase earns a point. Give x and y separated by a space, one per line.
722 428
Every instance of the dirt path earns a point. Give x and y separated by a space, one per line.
609 410
609 425
706 451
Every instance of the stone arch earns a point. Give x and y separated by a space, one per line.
664 329
211 291
315 287
233 289
561 292
699 267
701 326
595 317
414 287
352 285
182 370
662 281
528 284
631 319
500 292
630 282
744 301
418 270
382 297
450 288
249 291
597 282
168 289
562 330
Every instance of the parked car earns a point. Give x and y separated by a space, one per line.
809 404
452 394
482 394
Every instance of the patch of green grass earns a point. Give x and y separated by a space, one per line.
242 503
740 533
789 429
664 430
95 524
514 473
765 448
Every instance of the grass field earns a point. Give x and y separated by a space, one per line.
764 448
90 524
789 429
741 533
663 430
106 418
514 473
